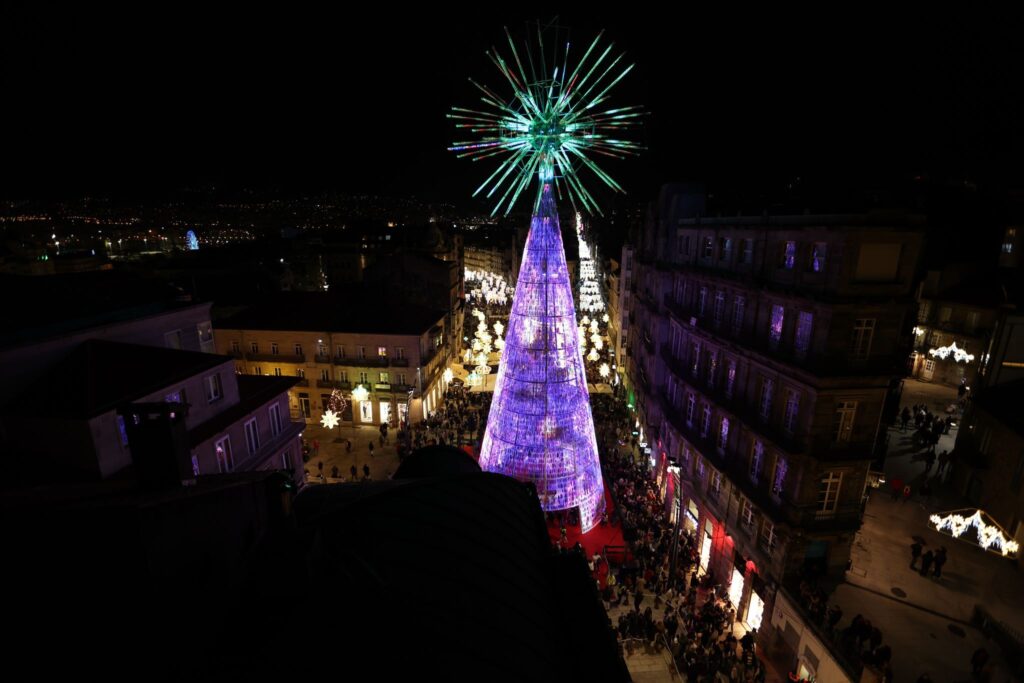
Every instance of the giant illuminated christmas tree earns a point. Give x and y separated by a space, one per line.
540 427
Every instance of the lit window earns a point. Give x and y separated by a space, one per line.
709 247
775 330
768 538
818 257
779 476
691 404
384 378
730 378
702 301
715 488
748 515
225 459
1009 238
705 421
789 255
277 372
325 375
723 434
756 460
300 372
382 352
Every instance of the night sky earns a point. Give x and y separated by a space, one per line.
137 104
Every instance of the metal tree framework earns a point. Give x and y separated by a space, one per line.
540 427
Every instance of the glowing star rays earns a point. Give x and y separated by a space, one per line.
556 120
330 419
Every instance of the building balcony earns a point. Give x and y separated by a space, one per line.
237 355
400 362
289 432
331 384
325 359
302 382
276 357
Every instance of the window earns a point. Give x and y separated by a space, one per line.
765 402
792 411
723 434
362 352
768 538
175 396
274 349
756 460
702 301
700 467
779 476
277 372
828 493
254 347
724 249
339 351
363 378
400 353
234 347
286 460
845 413
122 430
715 488
694 358
382 352
709 247
712 367
705 421
257 370
384 378
945 313
802 340
325 402
225 458
342 375
788 255
972 321
719 311
775 329
738 304
325 375
252 436
172 340
691 404
401 379
747 515
321 350
195 465
818 257
213 388
748 251
299 372
275 419
863 331
730 378
304 405
1009 237
298 349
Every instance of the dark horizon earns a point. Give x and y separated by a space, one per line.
125 107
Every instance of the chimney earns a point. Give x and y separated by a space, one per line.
158 440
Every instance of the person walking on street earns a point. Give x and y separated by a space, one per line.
354 472
366 472
897 488
926 562
371 449
915 554
906 493
940 559
904 418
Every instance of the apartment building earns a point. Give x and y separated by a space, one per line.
68 425
325 343
761 352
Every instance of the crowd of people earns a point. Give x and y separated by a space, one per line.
461 420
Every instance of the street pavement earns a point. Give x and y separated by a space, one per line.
922 618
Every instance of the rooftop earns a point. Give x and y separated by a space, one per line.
329 312
54 305
253 392
98 376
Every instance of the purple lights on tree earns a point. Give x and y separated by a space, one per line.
540 427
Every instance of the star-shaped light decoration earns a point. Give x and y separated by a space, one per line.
329 419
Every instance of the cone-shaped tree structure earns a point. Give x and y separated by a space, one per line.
540 427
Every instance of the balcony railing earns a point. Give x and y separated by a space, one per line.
332 384
302 383
278 357
400 362
322 358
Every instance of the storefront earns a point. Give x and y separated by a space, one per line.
705 548
691 516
